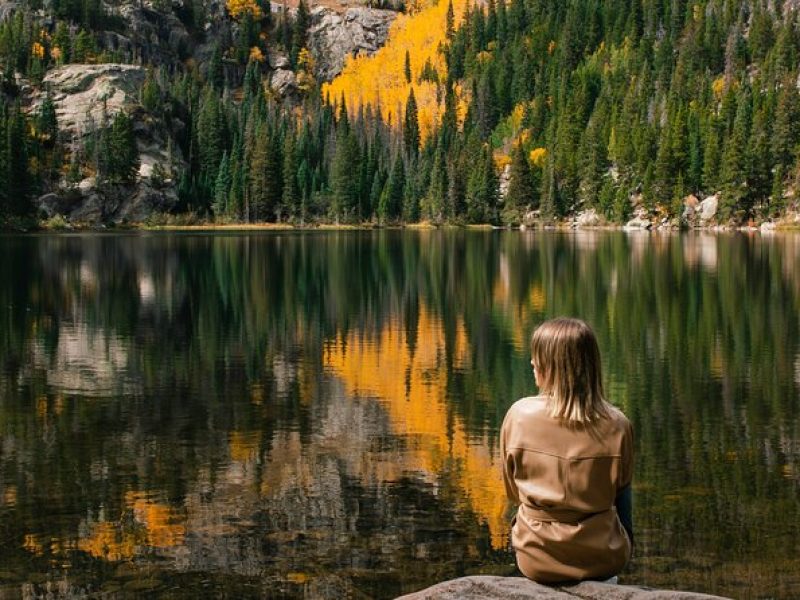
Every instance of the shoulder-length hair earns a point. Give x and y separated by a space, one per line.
565 354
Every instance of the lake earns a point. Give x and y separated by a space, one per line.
315 414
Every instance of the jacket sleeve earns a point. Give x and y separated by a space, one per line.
626 461
507 459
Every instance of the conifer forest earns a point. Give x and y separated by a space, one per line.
490 112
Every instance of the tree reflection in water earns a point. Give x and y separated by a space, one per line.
315 414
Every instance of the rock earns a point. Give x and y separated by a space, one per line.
90 204
145 201
588 218
333 36
7 9
284 82
767 227
157 37
86 186
639 220
82 93
505 180
278 60
530 218
484 587
708 208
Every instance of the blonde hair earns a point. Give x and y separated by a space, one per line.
565 354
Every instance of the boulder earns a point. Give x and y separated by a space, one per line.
708 208
284 82
640 220
485 587
588 218
332 36
82 94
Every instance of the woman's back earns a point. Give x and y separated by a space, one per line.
566 479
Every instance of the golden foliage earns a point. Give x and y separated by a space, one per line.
379 80
56 53
238 8
37 50
718 86
256 54
551 47
501 159
537 156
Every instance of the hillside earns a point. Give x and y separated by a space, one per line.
673 113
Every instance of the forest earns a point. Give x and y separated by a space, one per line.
614 106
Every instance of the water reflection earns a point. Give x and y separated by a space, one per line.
316 414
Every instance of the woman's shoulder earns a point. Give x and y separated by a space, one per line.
528 405
618 417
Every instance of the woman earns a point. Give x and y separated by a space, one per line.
568 463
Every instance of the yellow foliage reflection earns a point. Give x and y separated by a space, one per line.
154 524
412 380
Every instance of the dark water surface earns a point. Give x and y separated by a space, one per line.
316 414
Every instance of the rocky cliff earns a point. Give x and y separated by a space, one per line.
87 97
154 34
334 36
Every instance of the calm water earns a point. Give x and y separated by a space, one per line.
316 414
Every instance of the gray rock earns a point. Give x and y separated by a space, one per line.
638 223
333 36
284 82
157 37
145 201
505 180
82 94
588 218
484 587
708 208
7 9
278 60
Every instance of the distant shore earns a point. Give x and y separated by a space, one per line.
59 226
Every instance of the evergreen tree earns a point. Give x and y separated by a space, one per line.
411 126
521 194
222 187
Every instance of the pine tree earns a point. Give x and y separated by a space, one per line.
411 126
222 187
344 196
291 192
17 175
733 173
299 31
521 194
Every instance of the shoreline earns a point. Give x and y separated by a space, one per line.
61 227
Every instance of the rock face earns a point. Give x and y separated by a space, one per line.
83 96
88 203
484 587
82 93
333 36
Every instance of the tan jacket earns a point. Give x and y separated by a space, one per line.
566 480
